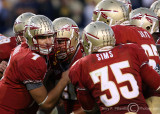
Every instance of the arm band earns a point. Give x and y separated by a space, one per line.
43 101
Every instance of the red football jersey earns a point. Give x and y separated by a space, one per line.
113 78
132 34
6 46
24 67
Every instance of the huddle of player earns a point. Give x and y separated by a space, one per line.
113 68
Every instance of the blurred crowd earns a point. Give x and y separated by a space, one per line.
78 10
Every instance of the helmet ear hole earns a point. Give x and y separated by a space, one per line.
88 44
148 27
107 21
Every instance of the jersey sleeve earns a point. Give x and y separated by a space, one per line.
74 73
86 100
150 77
33 69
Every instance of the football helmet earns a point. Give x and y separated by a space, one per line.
97 36
67 38
155 7
18 27
145 18
39 26
112 12
128 4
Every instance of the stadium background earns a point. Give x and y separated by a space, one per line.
79 10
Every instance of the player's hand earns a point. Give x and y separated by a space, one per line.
3 66
65 76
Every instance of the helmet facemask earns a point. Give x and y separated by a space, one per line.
128 4
19 37
46 48
64 46
155 7
67 38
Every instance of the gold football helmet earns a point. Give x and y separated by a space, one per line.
155 7
128 4
19 25
145 18
96 36
38 25
112 12
67 38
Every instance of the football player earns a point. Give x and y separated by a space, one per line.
22 82
146 22
133 34
8 43
112 75
144 39
68 49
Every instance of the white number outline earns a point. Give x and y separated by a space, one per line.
150 51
